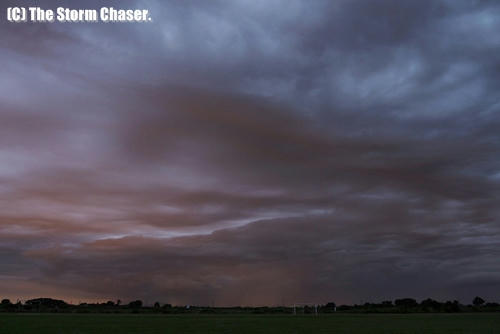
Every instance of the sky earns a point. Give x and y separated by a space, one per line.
262 152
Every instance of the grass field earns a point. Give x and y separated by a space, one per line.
338 323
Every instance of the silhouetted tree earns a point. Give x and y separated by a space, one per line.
46 302
135 304
6 302
406 302
344 307
430 304
478 301
452 306
157 305
387 303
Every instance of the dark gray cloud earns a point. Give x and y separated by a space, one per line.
295 151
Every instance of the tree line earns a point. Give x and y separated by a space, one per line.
403 305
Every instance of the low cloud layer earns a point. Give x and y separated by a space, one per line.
253 153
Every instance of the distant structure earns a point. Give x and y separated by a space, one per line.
304 305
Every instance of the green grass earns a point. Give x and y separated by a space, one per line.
241 324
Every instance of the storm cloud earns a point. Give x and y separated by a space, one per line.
253 152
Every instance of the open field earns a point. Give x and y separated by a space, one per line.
338 323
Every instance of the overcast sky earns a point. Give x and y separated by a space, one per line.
253 152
